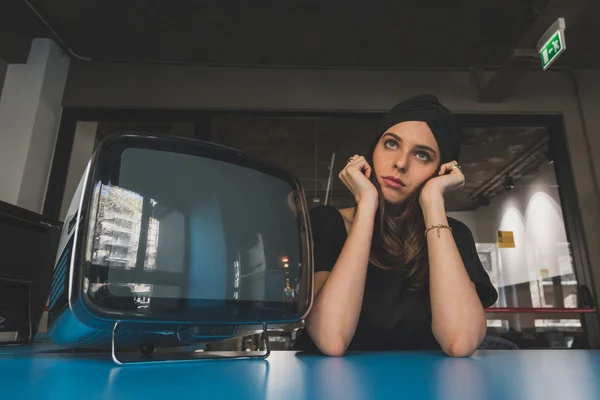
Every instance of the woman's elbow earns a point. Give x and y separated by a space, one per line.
333 347
461 348
336 351
462 342
329 343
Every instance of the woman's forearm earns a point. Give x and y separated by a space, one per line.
458 318
336 308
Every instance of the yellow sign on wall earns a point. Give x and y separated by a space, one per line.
506 239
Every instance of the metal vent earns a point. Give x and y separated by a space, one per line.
58 281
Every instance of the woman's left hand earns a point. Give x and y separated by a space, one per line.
450 177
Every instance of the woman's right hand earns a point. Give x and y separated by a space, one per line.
356 176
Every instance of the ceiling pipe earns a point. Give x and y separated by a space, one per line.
55 36
509 169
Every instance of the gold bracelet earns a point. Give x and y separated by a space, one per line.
438 227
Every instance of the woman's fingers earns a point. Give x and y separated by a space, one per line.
453 171
356 159
451 167
352 159
355 177
443 169
365 168
447 167
368 170
360 164
342 176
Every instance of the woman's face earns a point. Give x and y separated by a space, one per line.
406 156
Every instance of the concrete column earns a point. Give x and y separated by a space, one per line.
3 68
83 148
30 109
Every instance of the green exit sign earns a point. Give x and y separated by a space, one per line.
552 44
551 50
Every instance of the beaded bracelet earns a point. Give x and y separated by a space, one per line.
440 226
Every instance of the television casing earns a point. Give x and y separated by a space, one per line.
76 321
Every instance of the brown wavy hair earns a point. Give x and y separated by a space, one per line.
399 234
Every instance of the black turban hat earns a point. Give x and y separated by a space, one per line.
427 108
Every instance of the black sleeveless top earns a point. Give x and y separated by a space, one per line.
392 317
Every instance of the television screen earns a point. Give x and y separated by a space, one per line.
179 233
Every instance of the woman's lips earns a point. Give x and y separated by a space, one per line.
393 182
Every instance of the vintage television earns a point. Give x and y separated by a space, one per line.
172 241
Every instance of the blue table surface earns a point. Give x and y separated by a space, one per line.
44 373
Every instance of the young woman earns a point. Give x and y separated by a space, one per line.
394 272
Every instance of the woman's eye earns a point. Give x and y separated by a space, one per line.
423 156
391 144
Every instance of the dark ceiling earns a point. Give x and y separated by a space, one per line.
400 34
18 27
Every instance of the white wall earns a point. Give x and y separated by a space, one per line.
83 147
195 87
468 218
532 211
3 68
30 110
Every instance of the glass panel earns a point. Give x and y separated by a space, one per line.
305 146
517 221
511 187
117 230
88 135
181 227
